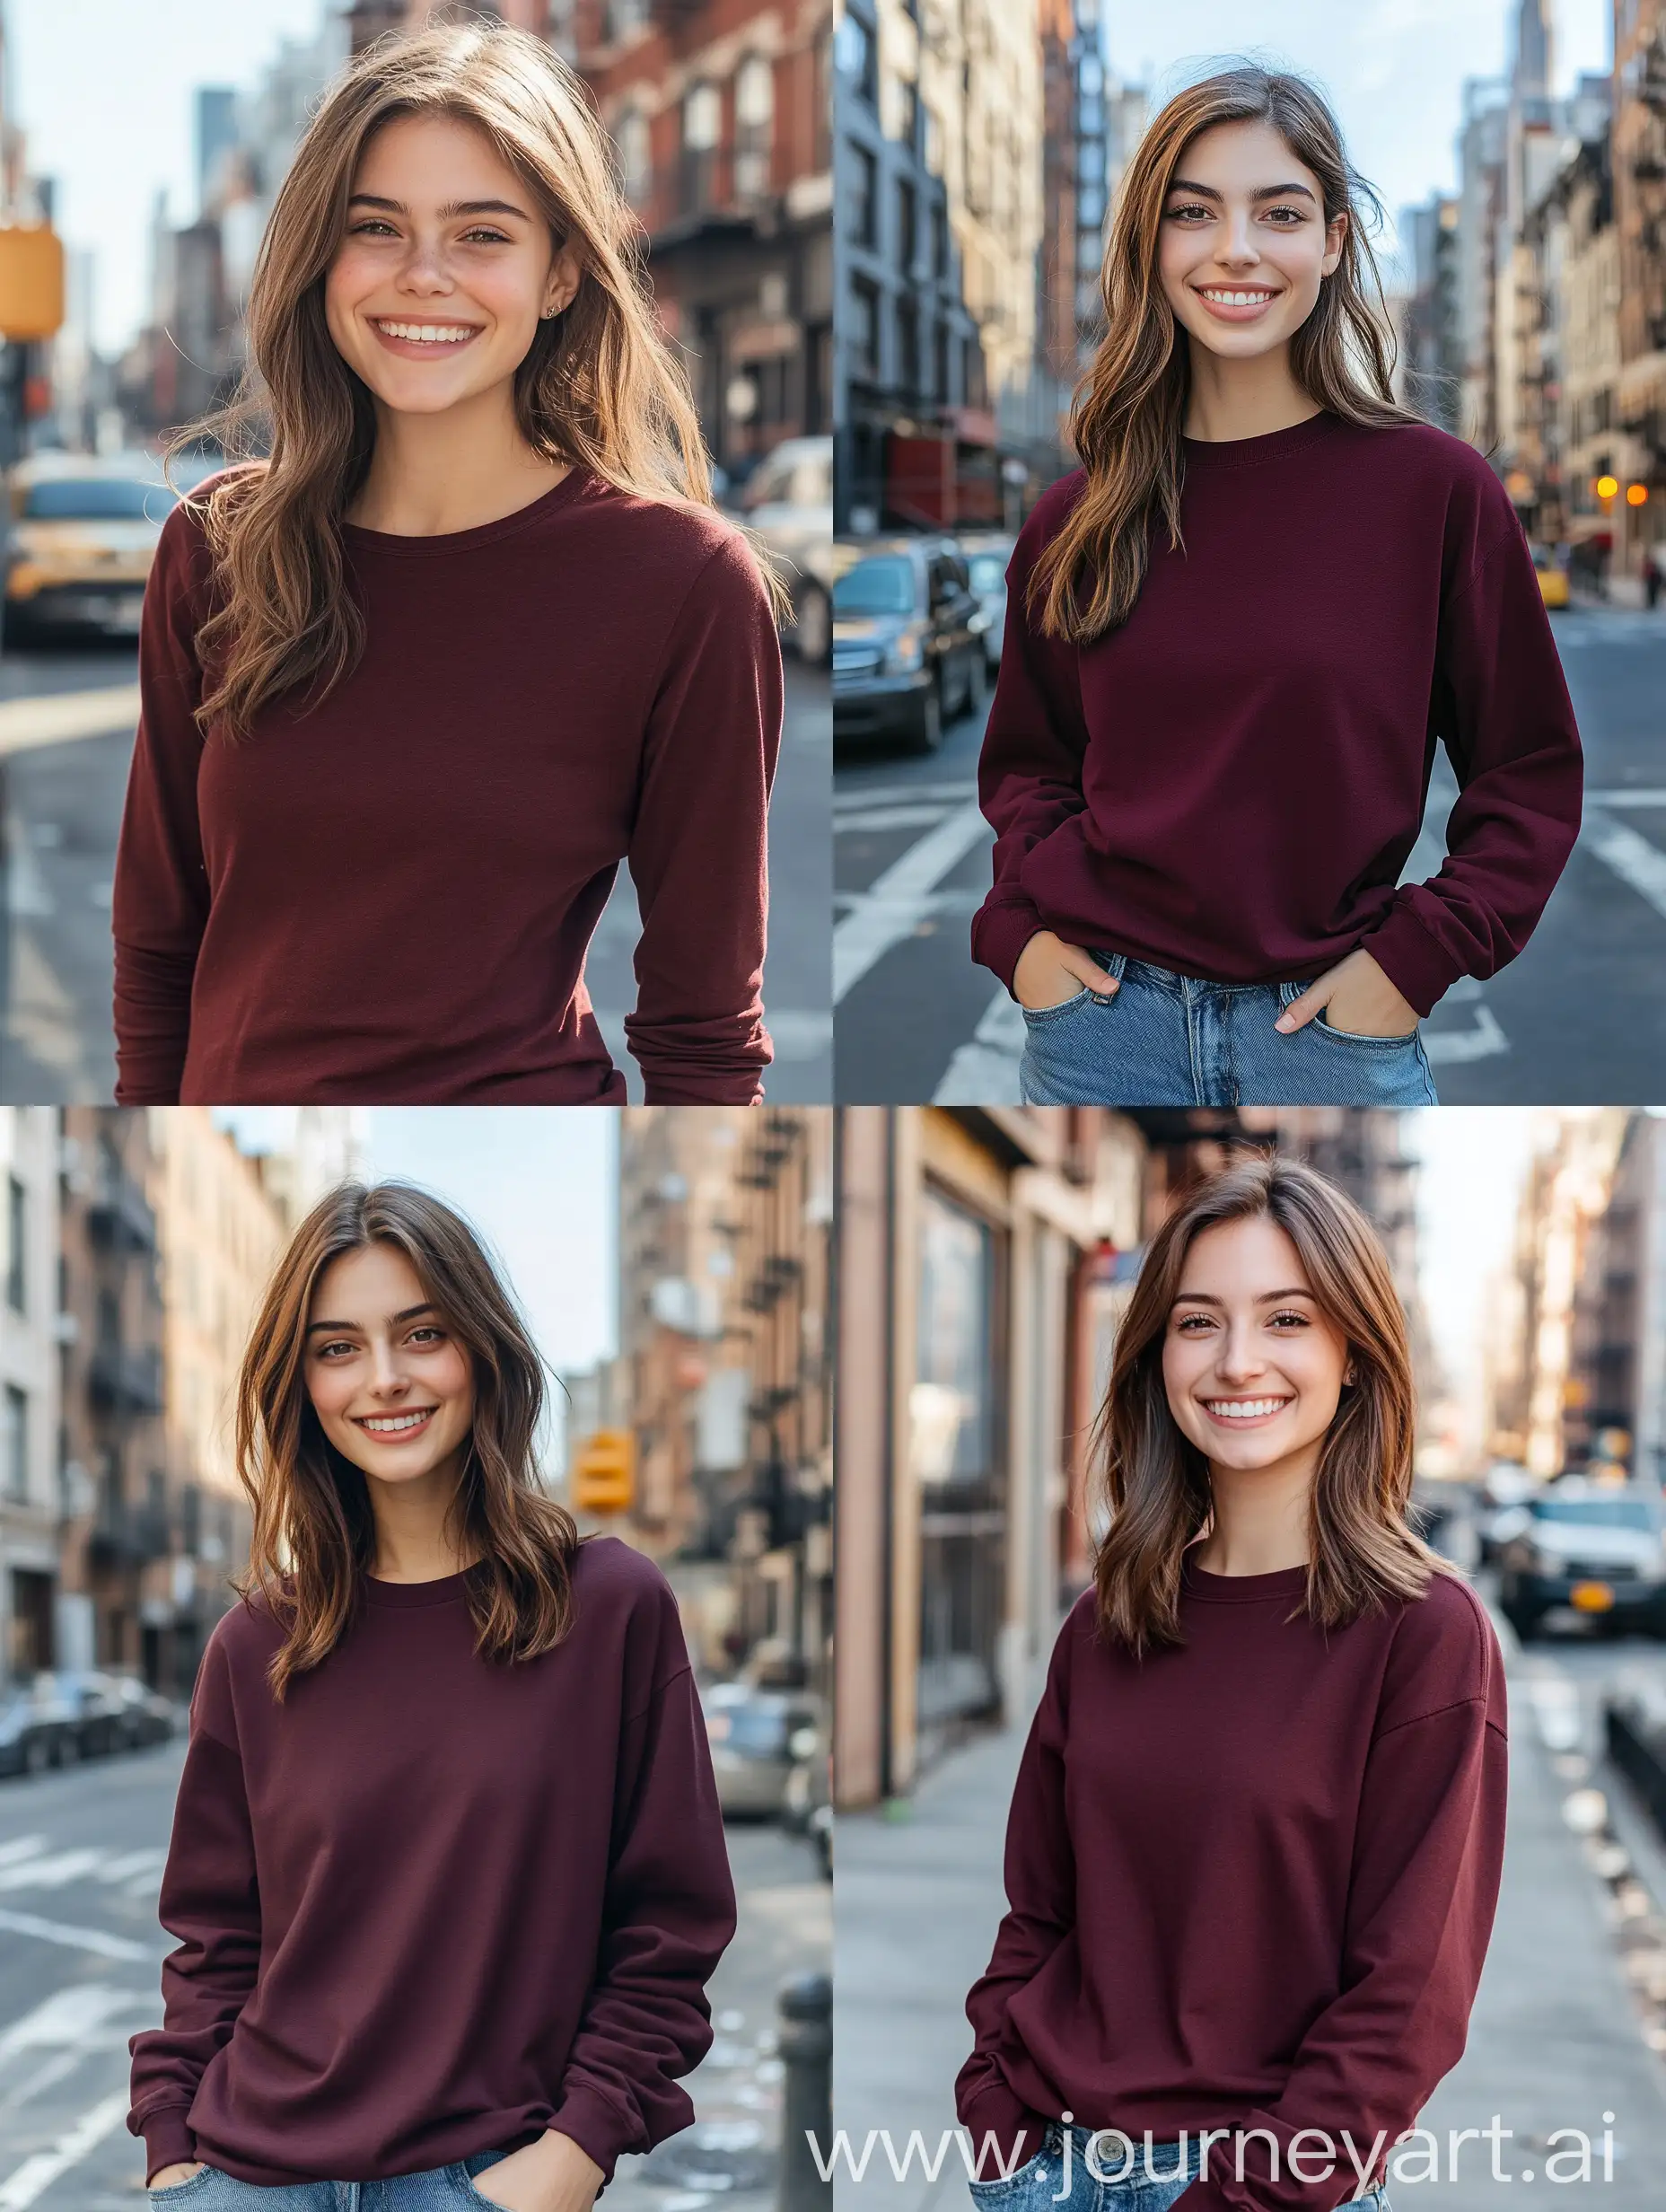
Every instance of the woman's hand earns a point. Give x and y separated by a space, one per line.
1354 995
1049 971
550 2175
170 2177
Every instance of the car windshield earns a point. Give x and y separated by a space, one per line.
97 499
988 571
881 586
1601 1513
759 1729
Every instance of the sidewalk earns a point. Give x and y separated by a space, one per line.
1554 2039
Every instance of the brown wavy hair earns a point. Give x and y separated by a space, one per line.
314 1532
1362 1553
1128 414
599 386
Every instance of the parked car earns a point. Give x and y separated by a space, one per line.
907 641
120 1713
82 534
807 1809
1553 585
788 500
38 1727
1598 1547
751 1732
987 553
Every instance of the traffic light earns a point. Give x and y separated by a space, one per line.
604 1473
32 281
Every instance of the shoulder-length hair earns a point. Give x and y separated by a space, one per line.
598 388
314 1532
1128 414
1361 1552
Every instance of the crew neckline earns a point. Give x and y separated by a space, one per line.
1284 1582
443 1590
481 533
1255 453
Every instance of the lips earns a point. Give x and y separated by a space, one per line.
1245 1412
412 1421
1236 303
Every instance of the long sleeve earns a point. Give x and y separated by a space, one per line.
670 1914
160 902
1500 704
210 1901
1423 1891
1030 770
698 852
1041 1872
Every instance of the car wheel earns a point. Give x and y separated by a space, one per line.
928 729
814 632
975 682
37 1755
1524 1619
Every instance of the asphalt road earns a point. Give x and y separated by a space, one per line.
81 1858
1579 1019
61 792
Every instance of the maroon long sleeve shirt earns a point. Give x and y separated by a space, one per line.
1230 785
431 1906
389 897
1251 1884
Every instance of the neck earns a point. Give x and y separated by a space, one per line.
416 1536
431 474
1250 398
1259 1524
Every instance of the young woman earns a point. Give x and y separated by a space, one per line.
1234 639
413 686
1255 1842
447 1870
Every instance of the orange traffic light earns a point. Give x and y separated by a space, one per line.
1636 494
604 1473
31 281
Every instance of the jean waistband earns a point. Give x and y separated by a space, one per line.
1187 988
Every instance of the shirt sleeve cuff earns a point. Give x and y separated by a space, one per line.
1421 970
1000 932
599 2127
168 2140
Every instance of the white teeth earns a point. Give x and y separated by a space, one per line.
401 1420
1243 1409
425 333
1237 299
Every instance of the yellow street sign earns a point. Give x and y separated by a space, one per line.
31 281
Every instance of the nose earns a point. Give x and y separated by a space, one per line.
1240 1359
1238 247
424 270
386 1381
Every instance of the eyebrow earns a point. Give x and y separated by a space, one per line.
1268 191
455 207
352 1329
1267 1297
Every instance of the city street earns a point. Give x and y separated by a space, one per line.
81 1856
1556 2040
1576 1019
67 722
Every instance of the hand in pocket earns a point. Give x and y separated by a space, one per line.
1354 995
1049 971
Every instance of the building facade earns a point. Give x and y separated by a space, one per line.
1640 219
30 1335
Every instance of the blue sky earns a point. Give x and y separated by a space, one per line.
103 89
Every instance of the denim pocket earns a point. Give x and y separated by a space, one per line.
997 2186
1288 993
180 2192
1065 1006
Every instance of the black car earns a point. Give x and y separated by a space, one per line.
38 1727
1599 1548
907 641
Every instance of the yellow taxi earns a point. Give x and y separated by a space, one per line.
1552 577
81 533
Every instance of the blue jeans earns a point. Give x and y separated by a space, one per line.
441 2189
1165 1039
1126 2185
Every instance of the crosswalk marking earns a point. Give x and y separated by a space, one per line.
72 1938
890 908
27 2184
1631 857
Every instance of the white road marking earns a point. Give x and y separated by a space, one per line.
1626 795
94 1939
56 717
21 1847
67 2017
51 1873
984 1073
920 817
131 1863
25 2184
892 905
850 795
1632 858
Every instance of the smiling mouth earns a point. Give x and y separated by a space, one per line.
407 1424
1241 1410
1235 300
437 337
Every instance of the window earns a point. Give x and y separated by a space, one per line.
908 226
754 124
632 140
864 329
864 179
702 118
16 1243
940 364
15 1442
625 18
856 58
908 346
951 1406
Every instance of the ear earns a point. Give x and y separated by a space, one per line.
562 284
1336 231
